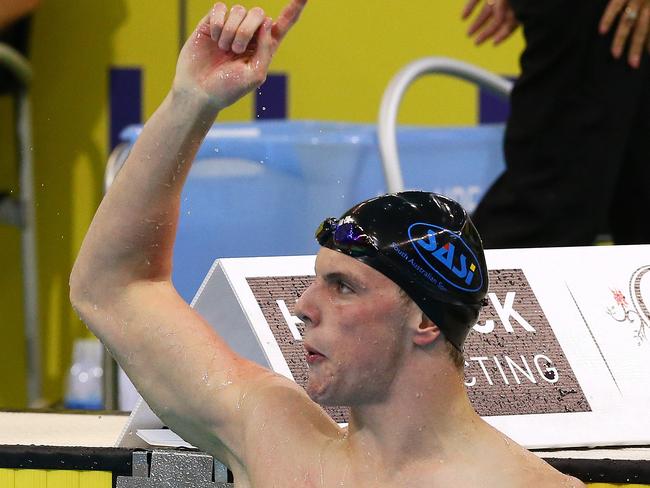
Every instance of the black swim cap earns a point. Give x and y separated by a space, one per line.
425 243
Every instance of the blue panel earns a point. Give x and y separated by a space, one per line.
261 189
492 109
271 98
125 92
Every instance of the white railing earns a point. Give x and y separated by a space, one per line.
387 125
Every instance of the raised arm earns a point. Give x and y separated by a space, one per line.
121 282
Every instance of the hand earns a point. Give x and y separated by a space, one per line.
633 17
229 53
496 20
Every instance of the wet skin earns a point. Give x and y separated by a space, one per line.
356 318
411 423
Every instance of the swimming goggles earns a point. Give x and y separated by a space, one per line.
347 236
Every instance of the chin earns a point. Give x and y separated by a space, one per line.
325 401
321 394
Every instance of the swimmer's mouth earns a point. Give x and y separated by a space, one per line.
313 355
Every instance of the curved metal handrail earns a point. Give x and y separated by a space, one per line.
18 65
387 125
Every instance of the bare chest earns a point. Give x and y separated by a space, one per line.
342 474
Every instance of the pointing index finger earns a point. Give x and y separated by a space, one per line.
287 18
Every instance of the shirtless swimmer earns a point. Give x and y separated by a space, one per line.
369 343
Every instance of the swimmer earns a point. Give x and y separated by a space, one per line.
383 333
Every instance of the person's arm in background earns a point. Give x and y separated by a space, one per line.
497 21
121 282
12 10
633 18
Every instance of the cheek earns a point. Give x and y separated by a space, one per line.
361 313
369 329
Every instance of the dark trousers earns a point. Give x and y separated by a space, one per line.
577 143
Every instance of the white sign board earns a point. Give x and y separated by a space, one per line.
555 360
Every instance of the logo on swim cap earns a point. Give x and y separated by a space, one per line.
447 255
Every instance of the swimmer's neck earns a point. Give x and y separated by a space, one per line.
427 416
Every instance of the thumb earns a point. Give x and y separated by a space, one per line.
265 46
203 26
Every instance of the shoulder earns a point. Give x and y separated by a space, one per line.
278 401
556 480
513 465
537 472
574 482
540 474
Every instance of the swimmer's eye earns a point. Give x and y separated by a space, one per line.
343 287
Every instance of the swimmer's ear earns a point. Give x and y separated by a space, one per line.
426 333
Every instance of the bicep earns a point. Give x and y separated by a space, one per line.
183 369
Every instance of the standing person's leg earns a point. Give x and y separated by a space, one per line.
629 220
570 114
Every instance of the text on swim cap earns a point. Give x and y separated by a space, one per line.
447 255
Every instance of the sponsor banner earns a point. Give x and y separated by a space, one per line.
513 361
535 365
557 358
615 309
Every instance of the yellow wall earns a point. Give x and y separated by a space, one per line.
339 59
40 478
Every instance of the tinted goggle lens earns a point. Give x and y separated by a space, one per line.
348 237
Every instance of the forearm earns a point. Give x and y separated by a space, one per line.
121 283
132 234
11 10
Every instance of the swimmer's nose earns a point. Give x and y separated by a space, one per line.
306 308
